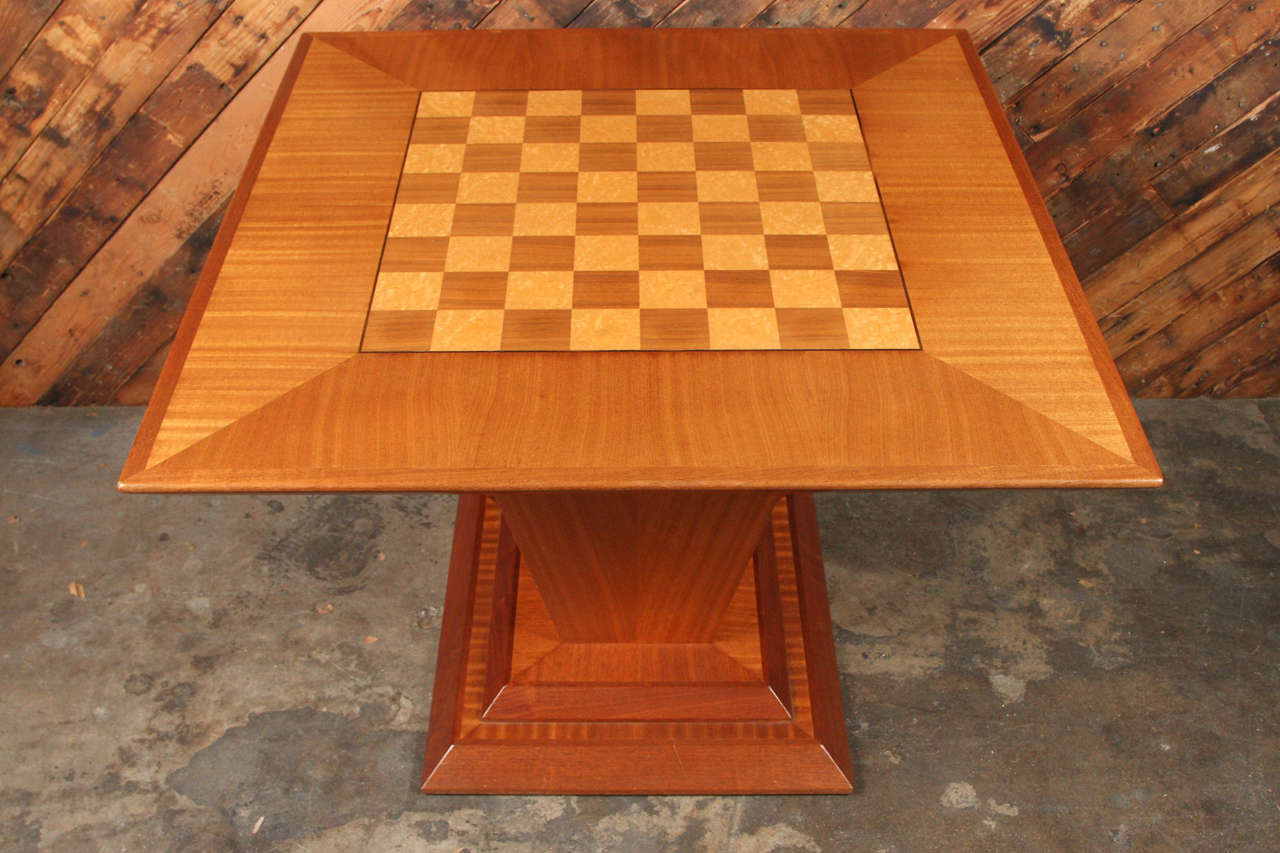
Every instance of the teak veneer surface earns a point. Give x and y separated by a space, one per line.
265 388
643 717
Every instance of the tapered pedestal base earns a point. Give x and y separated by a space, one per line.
568 669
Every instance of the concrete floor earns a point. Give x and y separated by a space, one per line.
1038 670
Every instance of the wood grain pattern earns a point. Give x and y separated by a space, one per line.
165 129
328 293
71 284
993 416
123 79
619 729
630 219
128 226
609 566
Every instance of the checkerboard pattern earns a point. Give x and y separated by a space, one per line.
671 219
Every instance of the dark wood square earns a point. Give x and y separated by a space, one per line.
730 217
473 290
480 220
535 329
491 157
668 186
670 252
798 251
739 289
414 254
542 253
816 328
606 289
674 328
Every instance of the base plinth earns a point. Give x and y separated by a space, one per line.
753 706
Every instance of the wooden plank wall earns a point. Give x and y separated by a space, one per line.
1151 126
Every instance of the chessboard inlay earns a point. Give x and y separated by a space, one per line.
673 219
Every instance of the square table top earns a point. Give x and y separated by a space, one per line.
637 259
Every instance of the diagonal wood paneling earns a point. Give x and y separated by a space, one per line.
1151 128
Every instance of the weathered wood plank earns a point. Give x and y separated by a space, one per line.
532 14
137 391
1245 360
124 76
1124 45
1239 147
986 20
1044 38
624 13
1154 167
806 13
232 50
713 13
20 21
1151 310
144 325
1111 232
450 15
1260 379
1136 162
1107 123
1200 322
188 194
893 13
52 66
1218 214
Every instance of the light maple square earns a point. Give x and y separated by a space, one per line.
478 254
607 187
734 252
473 329
540 289
605 329
549 157
554 102
669 217
880 328
846 186
665 156
421 220
727 186
673 289
434 157
792 217
831 128
862 252
407 291
446 103
611 252
771 101
743 328
662 102
608 128
488 187
781 157
804 289
496 129
720 128
545 219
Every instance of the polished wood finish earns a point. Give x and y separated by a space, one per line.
1150 126
611 566
675 725
1007 389
633 608
621 220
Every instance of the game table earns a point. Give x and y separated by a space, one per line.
635 295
